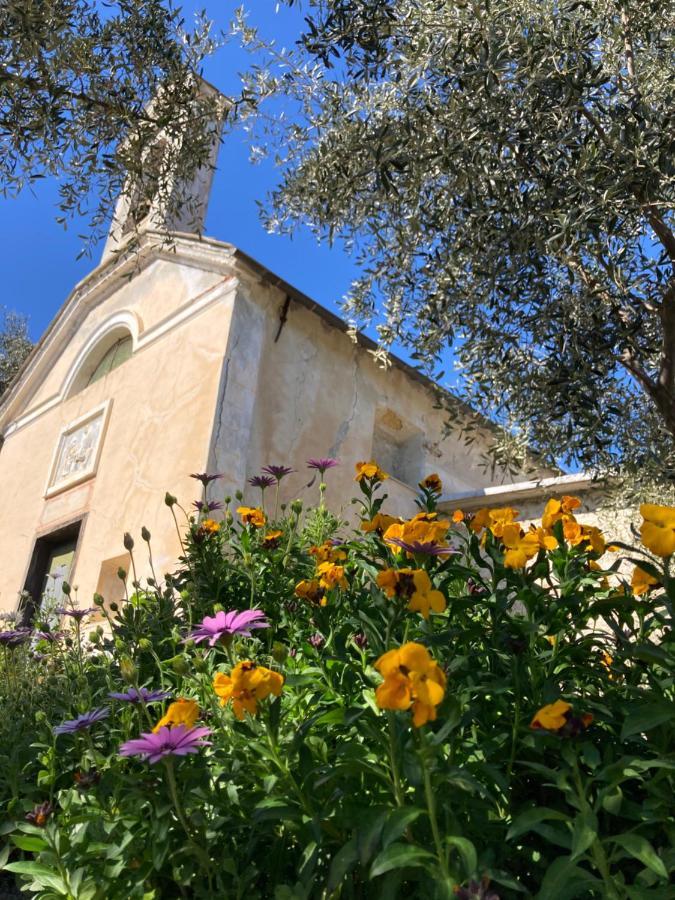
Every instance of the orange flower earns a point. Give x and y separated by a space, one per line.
432 483
424 527
642 582
369 471
327 552
210 525
331 576
572 532
500 518
246 685
379 523
546 541
411 680
458 516
413 585
182 712
251 515
520 547
271 539
658 529
558 718
311 591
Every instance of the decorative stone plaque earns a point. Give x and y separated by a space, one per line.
78 450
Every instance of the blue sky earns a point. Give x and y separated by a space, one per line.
39 260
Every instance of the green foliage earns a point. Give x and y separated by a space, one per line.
504 173
321 792
15 345
76 83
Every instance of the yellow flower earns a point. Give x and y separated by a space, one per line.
379 523
327 552
558 718
271 539
546 541
572 532
432 483
606 659
411 680
551 717
311 591
552 639
595 538
182 712
520 547
331 576
413 585
500 518
558 509
458 516
369 471
210 525
251 515
246 685
642 581
658 529
424 527
480 520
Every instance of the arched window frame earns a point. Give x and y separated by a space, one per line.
99 343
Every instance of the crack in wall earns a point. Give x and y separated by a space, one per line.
345 425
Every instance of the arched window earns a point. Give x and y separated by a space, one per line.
107 349
112 358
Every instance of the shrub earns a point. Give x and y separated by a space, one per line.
436 707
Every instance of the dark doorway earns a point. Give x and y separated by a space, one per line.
50 565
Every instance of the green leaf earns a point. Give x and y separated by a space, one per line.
584 832
645 716
466 850
28 843
640 848
531 817
397 822
43 875
399 856
343 862
563 881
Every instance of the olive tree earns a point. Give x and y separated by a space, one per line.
87 89
504 172
15 345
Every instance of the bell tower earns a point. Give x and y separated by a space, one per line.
157 195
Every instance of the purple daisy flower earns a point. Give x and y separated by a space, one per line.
210 506
50 636
424 548
136 696
278 472
262 481
215 628
177 741
205 478
322 463
83 722
77 614
14 637
40 814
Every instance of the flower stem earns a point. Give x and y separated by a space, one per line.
597 850
395 774
431 809
173 791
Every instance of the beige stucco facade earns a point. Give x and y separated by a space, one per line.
231 369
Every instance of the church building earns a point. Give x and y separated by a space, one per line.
180 355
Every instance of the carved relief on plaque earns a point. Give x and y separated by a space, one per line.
78 450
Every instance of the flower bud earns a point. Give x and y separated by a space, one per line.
199 664
145 644
94 637
218 607
98 600
128 542
296 506
128 670
170 500
121 574
180 665
145 534
279 651
229 518
239 495
283 506
114 606
65 587
228 499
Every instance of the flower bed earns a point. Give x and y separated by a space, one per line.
428 708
